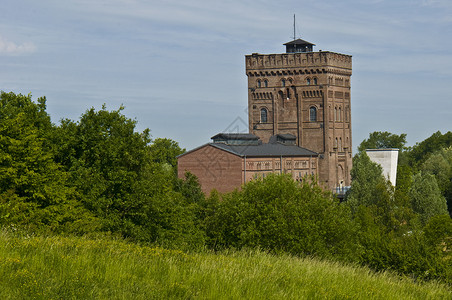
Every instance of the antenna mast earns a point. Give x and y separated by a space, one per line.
294 35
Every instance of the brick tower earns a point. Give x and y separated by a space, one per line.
307 94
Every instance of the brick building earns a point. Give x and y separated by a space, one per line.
306 94
233 159
297 100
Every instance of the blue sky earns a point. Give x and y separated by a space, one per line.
178 66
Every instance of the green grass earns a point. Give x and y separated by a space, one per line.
34 267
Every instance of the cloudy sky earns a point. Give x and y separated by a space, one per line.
178 65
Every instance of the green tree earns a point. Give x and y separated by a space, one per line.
366 176
33 187
426 198
165 150
439 164
107 161
278 214
438 237
389 207
438 233
419 152
114 176
381 140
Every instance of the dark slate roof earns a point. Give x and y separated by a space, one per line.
299 42
286 136
235 136
265 150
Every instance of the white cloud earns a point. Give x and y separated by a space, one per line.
10 48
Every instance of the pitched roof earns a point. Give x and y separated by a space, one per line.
265 150
299 42
287 136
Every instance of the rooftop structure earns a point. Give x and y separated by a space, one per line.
298 46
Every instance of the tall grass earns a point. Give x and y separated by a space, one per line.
35 267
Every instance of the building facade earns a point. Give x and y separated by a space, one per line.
233 159
305 94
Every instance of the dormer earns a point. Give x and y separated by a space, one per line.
285 139
236 139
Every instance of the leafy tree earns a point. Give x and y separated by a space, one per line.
381 140
114 176
33 188
438 237
165 151
426 198
106 159
403 184
439 164
278 214
419 152
438 233
371 194
388 236
404 211
366 176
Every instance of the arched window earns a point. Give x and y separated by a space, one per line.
258 83
335 114
308 81
283 82
340 114
263 115
266 83
313 114
315 81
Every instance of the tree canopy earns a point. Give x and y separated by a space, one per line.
99 175
382 140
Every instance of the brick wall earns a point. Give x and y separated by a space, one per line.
214 168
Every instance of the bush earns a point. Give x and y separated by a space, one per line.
279 214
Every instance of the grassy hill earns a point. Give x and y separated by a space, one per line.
81 268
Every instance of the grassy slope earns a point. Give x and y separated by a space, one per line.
59 267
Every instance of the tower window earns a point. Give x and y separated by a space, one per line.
266 83
264 115
258 83
313 114
315 81
283 82
308 81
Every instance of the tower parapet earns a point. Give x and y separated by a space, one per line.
289 61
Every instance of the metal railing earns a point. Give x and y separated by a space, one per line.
341 190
